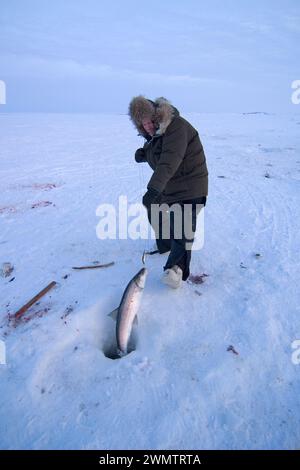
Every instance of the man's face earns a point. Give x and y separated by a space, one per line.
149 126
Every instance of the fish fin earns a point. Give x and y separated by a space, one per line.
135 321
114 314
121 353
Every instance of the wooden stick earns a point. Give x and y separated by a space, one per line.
94 267
25 307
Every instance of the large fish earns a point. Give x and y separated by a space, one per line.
126 313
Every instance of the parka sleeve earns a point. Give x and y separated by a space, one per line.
173 150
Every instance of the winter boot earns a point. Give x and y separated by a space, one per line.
173 277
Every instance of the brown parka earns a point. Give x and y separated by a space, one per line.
175 152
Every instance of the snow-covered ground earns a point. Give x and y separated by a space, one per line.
181 388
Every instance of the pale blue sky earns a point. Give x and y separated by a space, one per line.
94 55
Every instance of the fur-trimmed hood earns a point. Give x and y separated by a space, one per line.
161 111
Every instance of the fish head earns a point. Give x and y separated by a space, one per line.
140 278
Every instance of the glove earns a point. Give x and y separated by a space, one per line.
151 197
140 155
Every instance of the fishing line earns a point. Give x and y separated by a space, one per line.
145 244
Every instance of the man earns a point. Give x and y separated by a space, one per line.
174 152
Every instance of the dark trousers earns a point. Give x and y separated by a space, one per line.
179 244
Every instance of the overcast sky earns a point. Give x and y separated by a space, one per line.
94 55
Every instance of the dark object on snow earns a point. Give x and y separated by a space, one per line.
94 266
197 279
257 255
42 204
67 312
6 270
197 292
231 348
22 310
40 186
257 112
